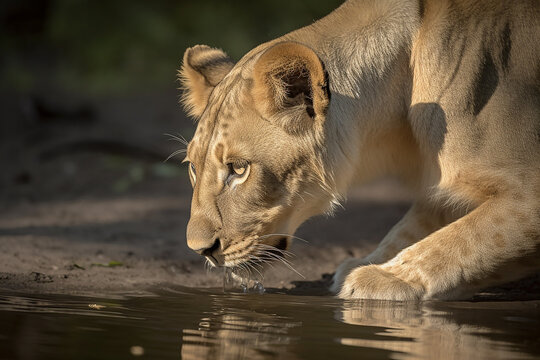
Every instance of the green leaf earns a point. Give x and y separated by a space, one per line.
112 263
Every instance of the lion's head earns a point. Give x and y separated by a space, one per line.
256 161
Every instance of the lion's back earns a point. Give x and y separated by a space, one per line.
477 78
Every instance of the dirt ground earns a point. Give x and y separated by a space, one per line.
87 204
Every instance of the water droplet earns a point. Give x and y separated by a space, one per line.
258 287
232 280
227 279
244 288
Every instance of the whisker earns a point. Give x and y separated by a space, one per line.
274 249
270 254
292 268
275 257
179 138
252 262
261 261
265 254
289 235
243 269
247 271
177 152
251 265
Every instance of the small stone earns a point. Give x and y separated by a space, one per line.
136 350
96 306
41 278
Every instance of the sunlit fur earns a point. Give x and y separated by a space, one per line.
443 94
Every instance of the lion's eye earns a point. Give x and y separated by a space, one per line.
238 172
239 169
192 173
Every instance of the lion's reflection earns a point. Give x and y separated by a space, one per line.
435 330
232 333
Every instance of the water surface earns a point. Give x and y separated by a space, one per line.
210 324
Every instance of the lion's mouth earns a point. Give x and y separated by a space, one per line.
250 267
259 255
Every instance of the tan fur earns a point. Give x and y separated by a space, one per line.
296 63
442 94
202 69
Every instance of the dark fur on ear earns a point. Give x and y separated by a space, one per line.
202 69
291 86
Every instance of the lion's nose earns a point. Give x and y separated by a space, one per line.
201 239
213 253
200 234
208 251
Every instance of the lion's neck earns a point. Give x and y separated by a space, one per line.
360 43
366 51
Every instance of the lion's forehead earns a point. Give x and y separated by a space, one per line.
224 108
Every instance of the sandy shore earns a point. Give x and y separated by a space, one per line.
129 243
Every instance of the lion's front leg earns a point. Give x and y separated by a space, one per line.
420 221
467 255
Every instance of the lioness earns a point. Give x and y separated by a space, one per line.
443 94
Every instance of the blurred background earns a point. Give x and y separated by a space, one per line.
99 77
88 91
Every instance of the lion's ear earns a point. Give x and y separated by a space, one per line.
291 86
202 69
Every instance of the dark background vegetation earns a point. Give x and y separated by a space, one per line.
106 46
83 77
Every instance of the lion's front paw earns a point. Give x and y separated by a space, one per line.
372 282
342 271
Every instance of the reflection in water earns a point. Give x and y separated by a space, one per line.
232 333
371 329
210 324
437 330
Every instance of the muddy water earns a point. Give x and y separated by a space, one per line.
210 324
